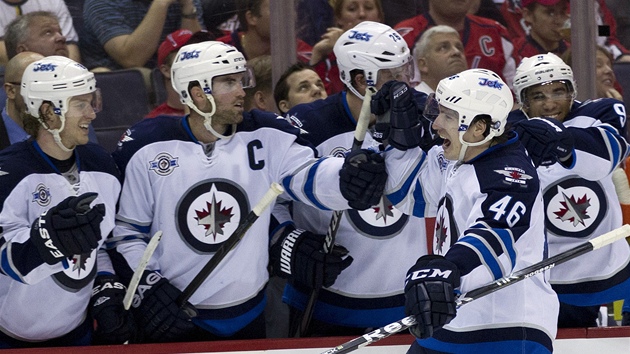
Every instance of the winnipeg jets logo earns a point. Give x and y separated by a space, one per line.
384 209
445 232
573 210
164 164
574 207
79 261
41 195
441 234
514 175
209 213
214 217
380 221
80 271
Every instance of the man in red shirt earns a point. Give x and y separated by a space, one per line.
487 43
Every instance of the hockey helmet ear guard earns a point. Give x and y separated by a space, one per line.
476 92
541 69
370 47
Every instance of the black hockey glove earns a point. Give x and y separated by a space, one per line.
406 128
71 227
362 179
156 312
113 324
299 256
547 141
429 294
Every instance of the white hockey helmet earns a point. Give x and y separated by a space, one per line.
201 62
370 46
475 92
56 79
540 69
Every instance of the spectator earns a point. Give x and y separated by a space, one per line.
11 9
219 17
260 96
12 126
126 33
298 84
487 9
621 13
486 43
605 80
37 32
545 19
399 10
58 283
518 27
166 55
439 53
253 37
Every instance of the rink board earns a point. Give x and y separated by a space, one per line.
609 340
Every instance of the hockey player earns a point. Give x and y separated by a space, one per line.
58 195
369 54
580 198
490 214
195 178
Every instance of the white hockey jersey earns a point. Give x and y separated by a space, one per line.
381 239
489 223
39 301
581 203
198 200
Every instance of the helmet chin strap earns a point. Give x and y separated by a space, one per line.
55 132
355 92
466 144
207 118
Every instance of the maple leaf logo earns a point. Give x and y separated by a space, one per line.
440 234
79 261
573 210
214 217
384 209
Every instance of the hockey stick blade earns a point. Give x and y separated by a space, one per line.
135 279
403 324
359 136
274 190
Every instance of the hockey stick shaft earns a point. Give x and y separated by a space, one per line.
274 190
403 324
359 136
135 279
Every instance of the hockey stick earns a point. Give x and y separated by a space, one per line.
135 279
274 190
359 135
400 325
